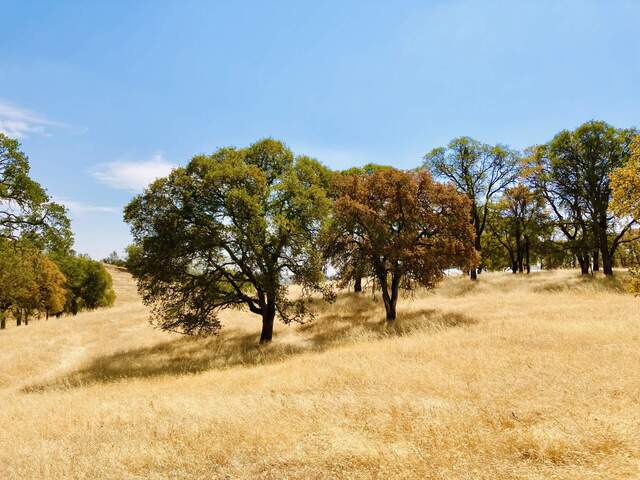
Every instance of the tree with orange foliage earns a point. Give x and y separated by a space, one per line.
625 201
52 293
625 185
409 228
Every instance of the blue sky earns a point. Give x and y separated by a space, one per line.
106 95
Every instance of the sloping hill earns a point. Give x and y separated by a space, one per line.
509 377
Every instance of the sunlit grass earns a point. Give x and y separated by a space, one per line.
509 377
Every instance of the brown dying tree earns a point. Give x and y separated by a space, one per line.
409 229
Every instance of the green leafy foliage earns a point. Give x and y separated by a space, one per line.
574 172
479 171
231 230
30 283
518 227
88 284
114 259
25 208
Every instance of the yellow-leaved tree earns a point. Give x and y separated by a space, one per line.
625 185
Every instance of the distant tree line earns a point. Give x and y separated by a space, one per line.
550 205
40 275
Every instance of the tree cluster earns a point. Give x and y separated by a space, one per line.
234 229
554 204
573 172
40 275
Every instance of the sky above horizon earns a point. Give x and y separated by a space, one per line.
107 96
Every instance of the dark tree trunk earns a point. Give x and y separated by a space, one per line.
26 319
390 306
527 255
3 323
607 264
512 261
596 261
18 319
357 287
268 316
390 298
584 264
603 244
473 273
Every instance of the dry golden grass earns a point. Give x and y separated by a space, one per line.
510 377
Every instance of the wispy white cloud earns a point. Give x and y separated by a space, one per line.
132 175
18 122
76 207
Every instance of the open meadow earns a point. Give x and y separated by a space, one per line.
509 377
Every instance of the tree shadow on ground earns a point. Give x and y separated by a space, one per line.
595 283
351 319
459 287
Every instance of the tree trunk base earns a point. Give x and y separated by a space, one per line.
267 328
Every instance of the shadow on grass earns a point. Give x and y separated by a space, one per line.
597 283
351 319
459 286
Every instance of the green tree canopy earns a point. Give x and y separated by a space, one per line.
30 283
479 171
573 170
230 230
88 284
518 223
25 207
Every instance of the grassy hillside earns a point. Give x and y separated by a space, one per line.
509 377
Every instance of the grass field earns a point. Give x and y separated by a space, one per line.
510 377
